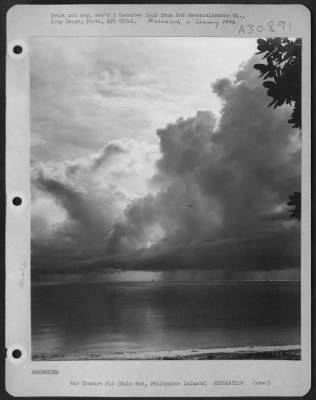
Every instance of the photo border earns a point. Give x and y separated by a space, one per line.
313 114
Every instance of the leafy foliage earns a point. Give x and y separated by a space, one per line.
282 73
282 78
295 200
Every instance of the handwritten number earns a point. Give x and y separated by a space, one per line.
280 23
271 26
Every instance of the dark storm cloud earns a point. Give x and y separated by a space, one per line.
76 203
233 256
108 151
222 194
83 234
230 182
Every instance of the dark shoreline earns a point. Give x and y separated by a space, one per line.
248 353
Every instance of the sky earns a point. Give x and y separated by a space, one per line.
158 158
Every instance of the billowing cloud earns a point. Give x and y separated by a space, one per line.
76 203
212 198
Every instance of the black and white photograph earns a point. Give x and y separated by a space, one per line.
166 198
158 201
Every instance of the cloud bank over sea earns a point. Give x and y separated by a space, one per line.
202 195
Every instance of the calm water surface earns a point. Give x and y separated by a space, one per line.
97 318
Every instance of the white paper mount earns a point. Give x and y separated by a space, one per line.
25 377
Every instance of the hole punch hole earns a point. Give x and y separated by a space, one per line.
17 49
17 201
16 353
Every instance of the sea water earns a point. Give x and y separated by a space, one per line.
105 317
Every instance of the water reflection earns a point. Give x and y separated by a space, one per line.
116 317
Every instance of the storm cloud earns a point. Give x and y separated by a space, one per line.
212 197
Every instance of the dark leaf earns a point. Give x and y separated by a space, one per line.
282 73
295 201
269 84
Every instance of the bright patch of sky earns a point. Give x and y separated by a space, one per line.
86 92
